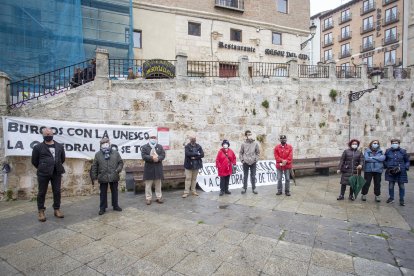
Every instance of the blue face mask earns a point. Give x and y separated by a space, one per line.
395 146
374 146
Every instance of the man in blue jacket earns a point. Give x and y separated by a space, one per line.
48 158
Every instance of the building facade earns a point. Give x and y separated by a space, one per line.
365 31
221 30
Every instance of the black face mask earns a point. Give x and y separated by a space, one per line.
283 142
48 138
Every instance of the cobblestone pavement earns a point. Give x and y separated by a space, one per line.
309 233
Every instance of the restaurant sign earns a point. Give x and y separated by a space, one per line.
158 69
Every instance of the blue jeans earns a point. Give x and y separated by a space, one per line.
401 188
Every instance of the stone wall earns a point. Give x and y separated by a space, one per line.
216 109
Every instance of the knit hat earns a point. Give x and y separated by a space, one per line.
225 142
282 137
104 140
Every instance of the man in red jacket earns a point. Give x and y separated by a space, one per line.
283 156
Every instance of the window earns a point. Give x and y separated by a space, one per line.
389 57
282 6
328 55
327 23
367 42
390 35
368 5
345 50
368 61
391 15
327 39
345 15
277 38
345 33
137 39
235 35
194 28
368 23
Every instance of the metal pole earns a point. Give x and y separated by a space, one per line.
349 120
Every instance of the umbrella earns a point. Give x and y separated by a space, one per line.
356 182
293 176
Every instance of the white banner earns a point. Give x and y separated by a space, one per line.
81 140
266 174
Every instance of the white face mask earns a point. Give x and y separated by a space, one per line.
153 141
354 146
105 145
225 146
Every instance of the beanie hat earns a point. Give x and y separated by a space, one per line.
225 142
104 140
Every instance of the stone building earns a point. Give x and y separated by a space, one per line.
366 31
216 30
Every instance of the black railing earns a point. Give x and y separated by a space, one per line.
367 46
128 69
327 26
345 18
313 71
262 69
367 28
231 4
384 72
345 36
368 8
212 69
392 18
327 42
390 39
51 83
386 2
347 72
402 73
345 53
327 58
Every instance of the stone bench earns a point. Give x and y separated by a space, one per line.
320 164
134 176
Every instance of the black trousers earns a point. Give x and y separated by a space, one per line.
224 183
377 183
343 189
103 187
252 168
43 181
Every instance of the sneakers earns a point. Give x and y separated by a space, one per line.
221 193
243 191
58 214
278 193
42 216
402 203
340 197
118 209
184 195
377 199
364 197
287 193
160 200
101 212
148 201
351 197
255 192
390 200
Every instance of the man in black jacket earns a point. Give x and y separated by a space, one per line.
48 158
192 163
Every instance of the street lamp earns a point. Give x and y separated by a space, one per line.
312 30
355 96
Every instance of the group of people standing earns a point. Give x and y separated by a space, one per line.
373 161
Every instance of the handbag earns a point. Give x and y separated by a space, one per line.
233 167
394 170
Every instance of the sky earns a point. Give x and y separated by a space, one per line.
323 5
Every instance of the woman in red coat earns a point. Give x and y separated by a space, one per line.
224 162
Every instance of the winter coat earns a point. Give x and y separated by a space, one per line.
107 171
395 158
193 155
350 160
249 152
44 162
223 164
283 153
374 160
153 170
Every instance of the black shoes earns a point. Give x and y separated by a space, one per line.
390 200
278 193
287 193
243 191
402 203
119 209
101 212
340 197
221 193
227 192
351 197
255 192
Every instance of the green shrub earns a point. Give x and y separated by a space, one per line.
333 94
265 104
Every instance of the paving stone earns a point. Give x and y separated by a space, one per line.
145 268
230 236
228 269
55 235
100 231
265 231
84 225
7 270
388 216
84 271
19 248
90 252
288 206
309 208
369 267
323 271
120 238
112 262
293 251
172 273
71 242
188 241
299 238
33 257
56 266
285 266
217 249
407 272
167 256
332 260
334 212
142 247
196 264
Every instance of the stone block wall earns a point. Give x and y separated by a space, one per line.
216 109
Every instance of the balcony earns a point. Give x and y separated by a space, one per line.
344 36
345 18
328 58
368 8
327 43
345 54
392 18
386 2
390 39
367 47
367 28
237 5
327 26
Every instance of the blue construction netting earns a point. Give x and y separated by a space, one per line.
39 36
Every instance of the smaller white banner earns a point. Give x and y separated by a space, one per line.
266 174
